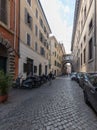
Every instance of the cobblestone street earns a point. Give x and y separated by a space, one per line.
57 107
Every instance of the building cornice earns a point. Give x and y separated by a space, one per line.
77 5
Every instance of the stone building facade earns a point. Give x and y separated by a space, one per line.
56 56
84 38
34 39
9 30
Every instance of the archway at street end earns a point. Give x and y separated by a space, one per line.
67 64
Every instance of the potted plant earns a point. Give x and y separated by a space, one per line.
5 83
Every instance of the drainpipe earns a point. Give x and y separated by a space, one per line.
15 27
19 31
95 31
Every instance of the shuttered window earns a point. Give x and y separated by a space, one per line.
28 19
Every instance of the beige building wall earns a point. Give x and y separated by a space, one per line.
84 36
34 39
56 56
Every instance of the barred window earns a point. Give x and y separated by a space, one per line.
3 11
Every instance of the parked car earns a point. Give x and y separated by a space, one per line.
84 77
90 91
73 75
78 76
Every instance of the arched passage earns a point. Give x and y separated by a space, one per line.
3 58
7 57
67 66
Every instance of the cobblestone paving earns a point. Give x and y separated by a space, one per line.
57 107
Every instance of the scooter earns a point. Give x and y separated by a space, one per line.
31 82
18 82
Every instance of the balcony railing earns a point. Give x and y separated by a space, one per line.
3 16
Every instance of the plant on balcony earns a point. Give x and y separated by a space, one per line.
5 83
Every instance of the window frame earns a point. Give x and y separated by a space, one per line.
30 4
27 34
90 49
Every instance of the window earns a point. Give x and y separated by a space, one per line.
55 53
47 55
55 45
81 58
45 42
28 19
41 37
42 51
28 40
41 22
84 38
35 69
85 12
29 2
47 46
47 35
90 52
90 25
36 13
84 55
25 67
35 46
55 62
45 29
81 46
3 11
36 30
28 67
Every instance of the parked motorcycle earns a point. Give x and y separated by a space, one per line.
18 82
31 82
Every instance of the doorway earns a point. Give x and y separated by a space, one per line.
45 69
3 58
